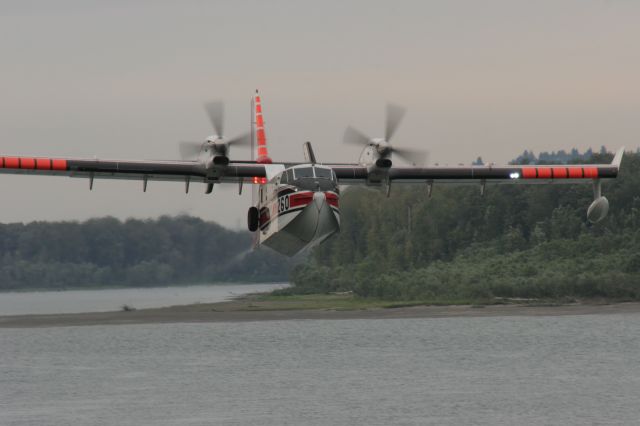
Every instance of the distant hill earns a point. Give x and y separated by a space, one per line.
109 252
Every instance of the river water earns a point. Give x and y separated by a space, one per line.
566 370
105 300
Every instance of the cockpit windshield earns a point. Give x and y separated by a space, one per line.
323 173
303 172
308 177
310 172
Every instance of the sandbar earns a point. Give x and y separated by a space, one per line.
240 311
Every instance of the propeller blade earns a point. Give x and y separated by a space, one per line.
413 156
242 140
215 112
355 137
190 150
395 114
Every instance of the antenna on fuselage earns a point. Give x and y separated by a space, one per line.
309 155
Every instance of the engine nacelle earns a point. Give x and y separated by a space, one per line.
378 172
377 165
598 210
383 163
221 160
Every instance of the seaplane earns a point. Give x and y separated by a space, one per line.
296 204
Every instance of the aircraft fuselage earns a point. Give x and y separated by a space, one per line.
298 209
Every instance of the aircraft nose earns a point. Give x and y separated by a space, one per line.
319 199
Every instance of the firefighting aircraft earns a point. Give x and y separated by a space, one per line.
297 204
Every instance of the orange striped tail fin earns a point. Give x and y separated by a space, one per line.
263 154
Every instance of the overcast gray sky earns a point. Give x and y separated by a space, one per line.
127 79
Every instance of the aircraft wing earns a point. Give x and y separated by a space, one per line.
133 170
527 174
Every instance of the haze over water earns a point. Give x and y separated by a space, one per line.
568 370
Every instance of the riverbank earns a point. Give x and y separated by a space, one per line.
277 308
108 300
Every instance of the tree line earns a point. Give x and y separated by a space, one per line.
516 241
110 252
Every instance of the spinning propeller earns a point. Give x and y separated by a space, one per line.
394 116
217 143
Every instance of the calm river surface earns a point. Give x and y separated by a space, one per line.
567 370
75 301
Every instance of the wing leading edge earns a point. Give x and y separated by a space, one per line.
133 170
525 174
249 172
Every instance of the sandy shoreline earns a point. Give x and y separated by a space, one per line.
228 312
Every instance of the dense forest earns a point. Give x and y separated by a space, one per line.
517 241
108 252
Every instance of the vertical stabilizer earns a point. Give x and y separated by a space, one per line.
261 138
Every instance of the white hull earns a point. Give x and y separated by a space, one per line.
298 229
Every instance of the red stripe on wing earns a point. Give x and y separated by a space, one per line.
544 172
57 164
575 172
591 172
30 163
559 172
11 163
529 173
43 163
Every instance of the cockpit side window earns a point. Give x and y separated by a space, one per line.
284 177
303 172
